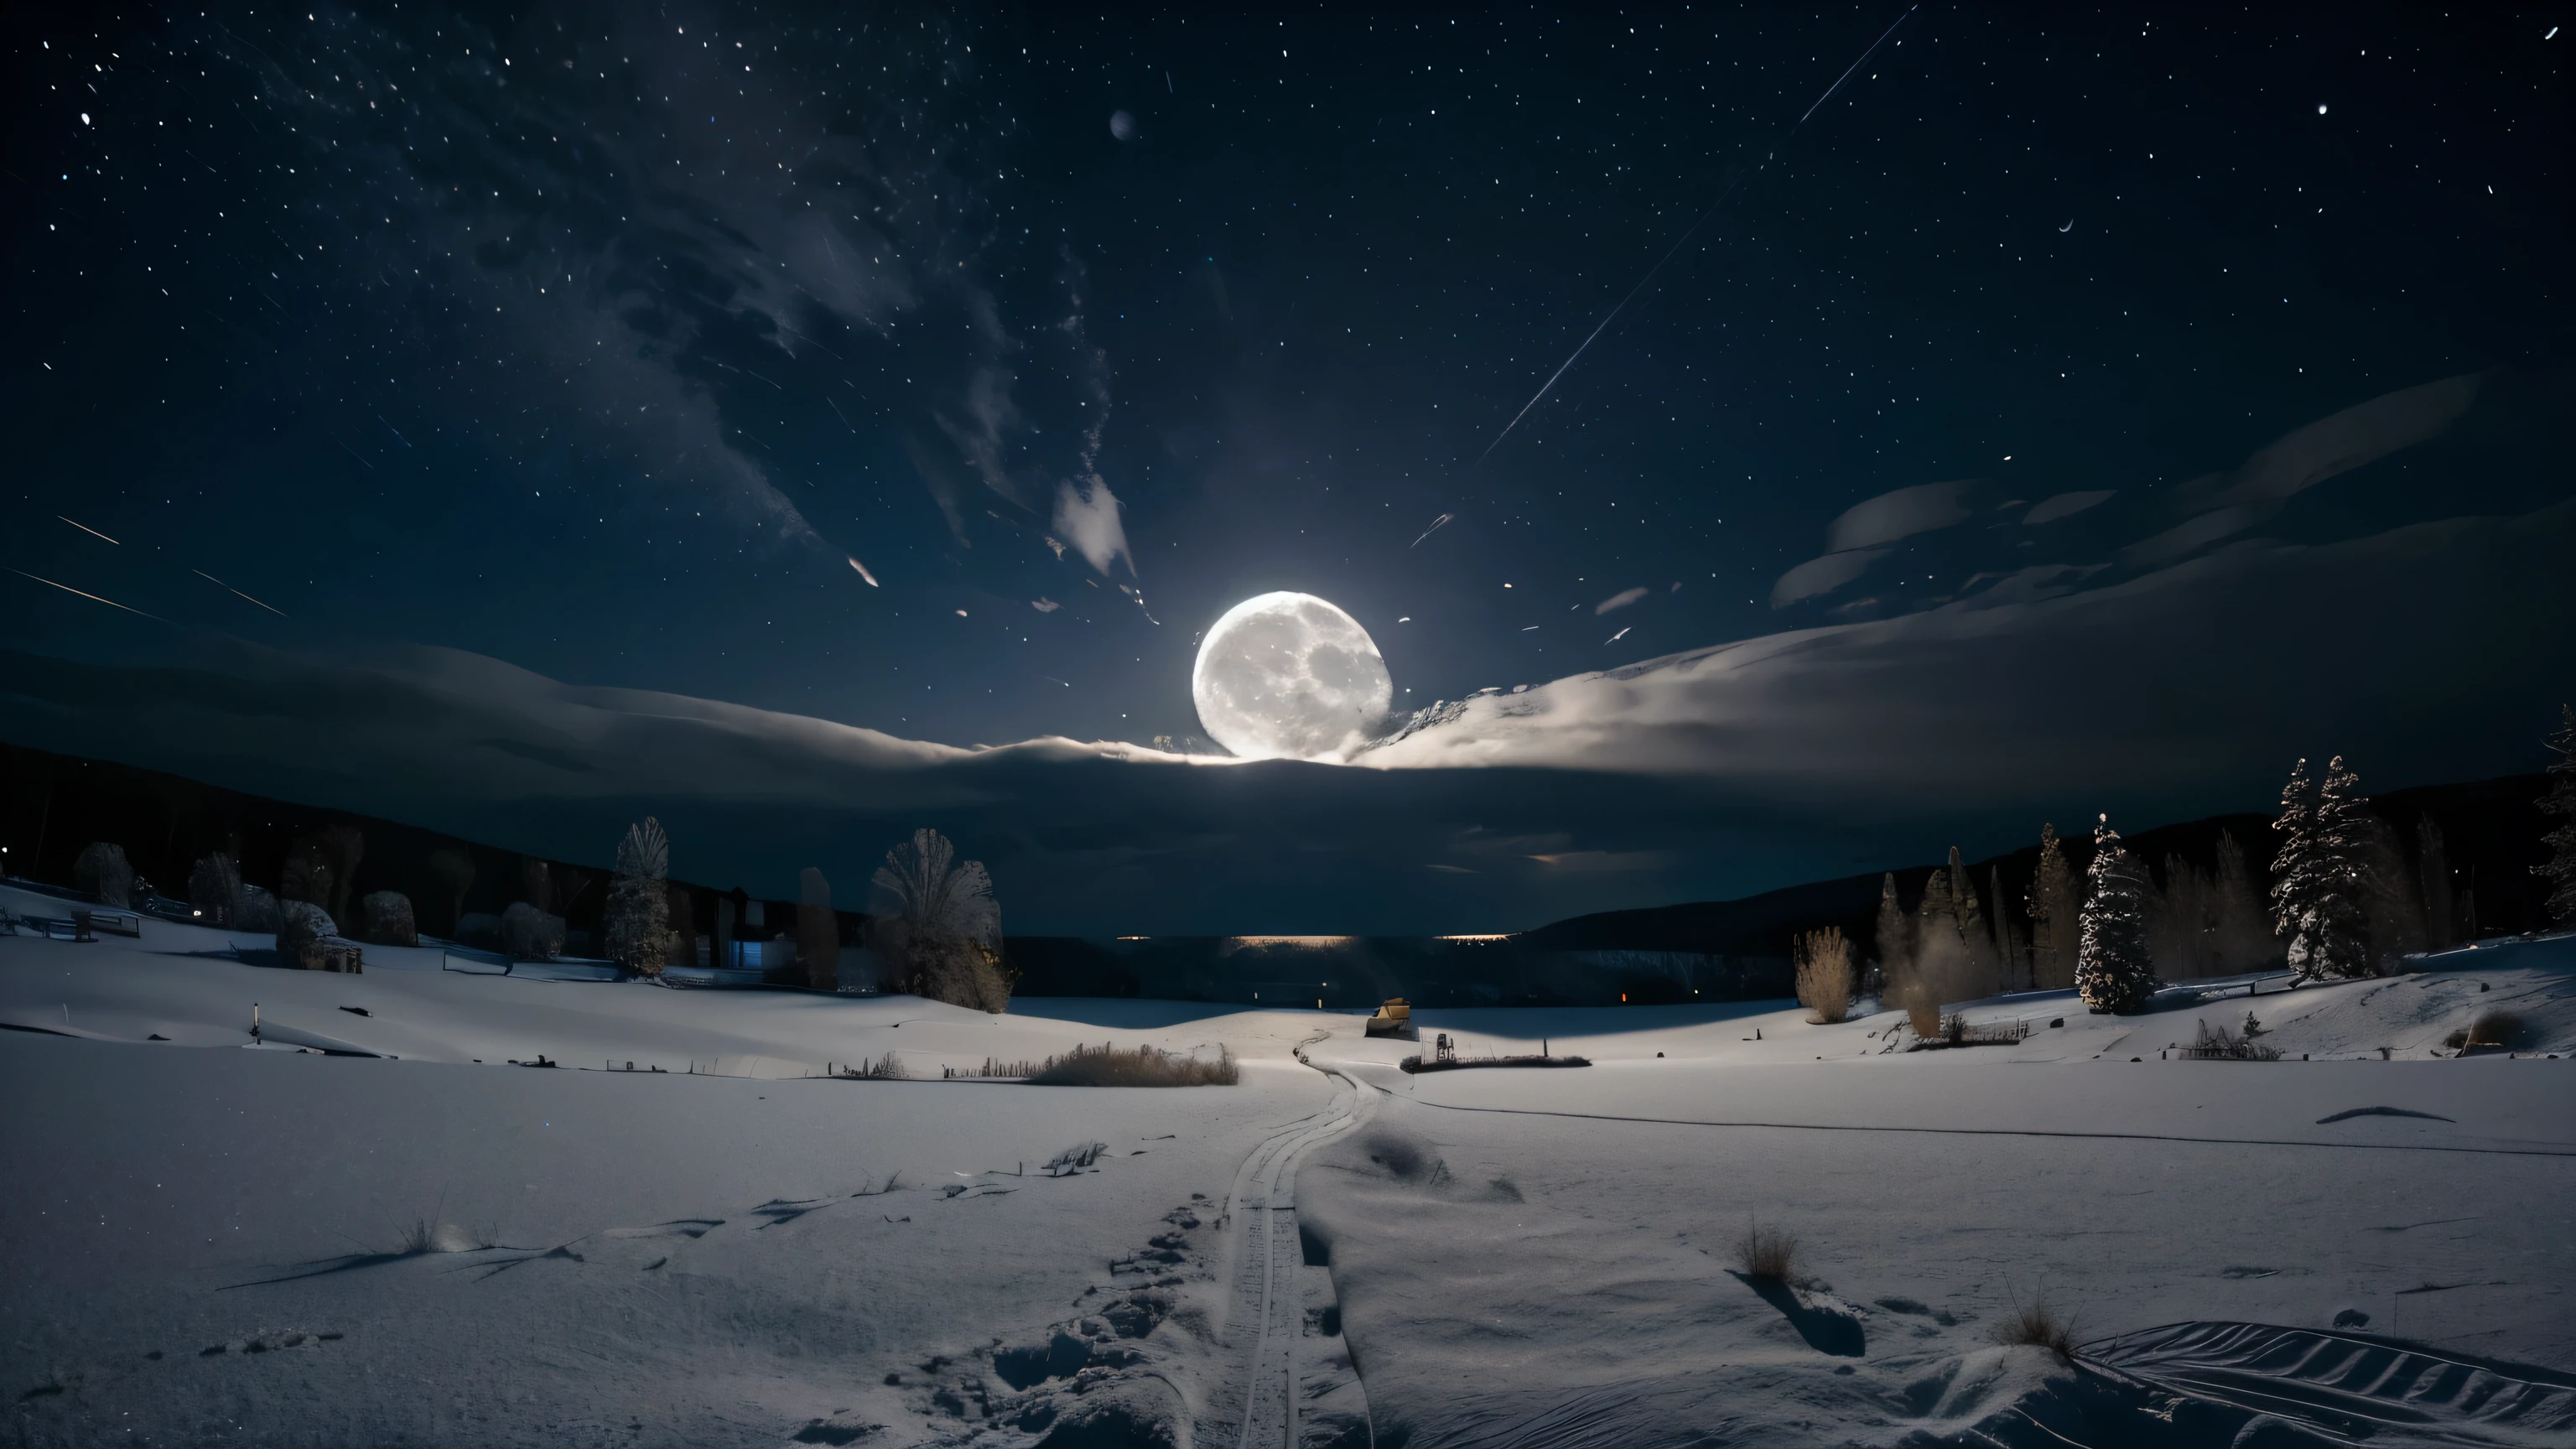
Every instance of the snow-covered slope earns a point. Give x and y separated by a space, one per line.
204 1242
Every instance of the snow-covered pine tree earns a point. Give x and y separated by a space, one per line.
2053 914
2241 939
639 906
2113 971
2560 800
1895 946
2294 866
2333 932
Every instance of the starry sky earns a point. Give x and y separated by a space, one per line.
947 370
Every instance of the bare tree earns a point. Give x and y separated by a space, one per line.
2054 911
2433 869
1824 974
454 871
2242 937
2178 922
818 932
638 927
938 927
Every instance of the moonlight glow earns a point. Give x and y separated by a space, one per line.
1290 675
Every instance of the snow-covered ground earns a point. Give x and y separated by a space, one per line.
201 1243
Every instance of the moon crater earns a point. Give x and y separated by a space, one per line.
1287 675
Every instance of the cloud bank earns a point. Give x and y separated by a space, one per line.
2429 652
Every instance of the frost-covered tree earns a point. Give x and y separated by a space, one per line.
2560 800
2113 971
818 932
2053 916
1895 946
1824 974
937 927
2325 881
638 925
2009 950
1941 968
1982 973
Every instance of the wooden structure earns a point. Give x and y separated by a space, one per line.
1395 1018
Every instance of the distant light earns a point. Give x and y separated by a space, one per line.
2321 108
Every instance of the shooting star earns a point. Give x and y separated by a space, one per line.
2070 225
1704 219
92 532
1615 638
68 589
863 573
227 588
1436 525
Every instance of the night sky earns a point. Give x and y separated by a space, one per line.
851 362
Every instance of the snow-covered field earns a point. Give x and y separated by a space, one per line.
202 1243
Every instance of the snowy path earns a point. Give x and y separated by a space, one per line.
1263 1208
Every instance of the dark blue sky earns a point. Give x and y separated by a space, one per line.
602 338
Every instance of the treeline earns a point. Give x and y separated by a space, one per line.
253 865
2347 892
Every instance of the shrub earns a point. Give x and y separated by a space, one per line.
102 872
2222 1045
301 925
2037 1324
254 909
387 920
530 934
214 888
1073 1159
1145 1066
1824 974
2491 1029
884 1068
1765 1254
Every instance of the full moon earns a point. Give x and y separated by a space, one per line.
1288 675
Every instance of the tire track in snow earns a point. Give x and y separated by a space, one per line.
1267 1256
2000 1131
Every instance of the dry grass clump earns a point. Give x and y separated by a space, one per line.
884 1068
1144 1066
2037 1324
1824 974
2491 1029
1766 1254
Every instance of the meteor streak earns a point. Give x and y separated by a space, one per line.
68 589
1685 240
